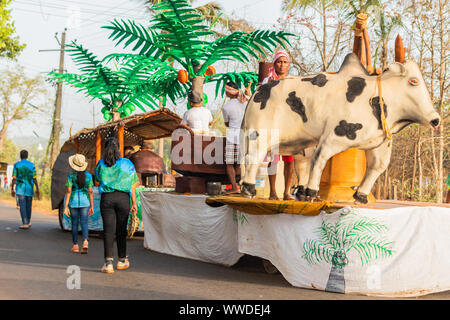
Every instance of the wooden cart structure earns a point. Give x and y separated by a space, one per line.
130 131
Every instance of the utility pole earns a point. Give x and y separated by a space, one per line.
57 115
53 143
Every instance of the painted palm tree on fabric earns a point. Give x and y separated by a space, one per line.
132 83
178 34
350 232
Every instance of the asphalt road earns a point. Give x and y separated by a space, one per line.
34 264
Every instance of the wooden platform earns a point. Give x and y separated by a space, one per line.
261 206
388 204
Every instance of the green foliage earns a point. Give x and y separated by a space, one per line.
9 152
45 185
350 232
10 47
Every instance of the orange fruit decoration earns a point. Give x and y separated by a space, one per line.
210 71
183 76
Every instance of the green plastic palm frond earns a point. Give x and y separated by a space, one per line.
101 77
241 45
182 42
85 60
242 79
144 39
179 10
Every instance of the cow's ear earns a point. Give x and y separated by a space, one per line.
352 66
396 68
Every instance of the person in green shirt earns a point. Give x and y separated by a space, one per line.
80 199
22 187
118 180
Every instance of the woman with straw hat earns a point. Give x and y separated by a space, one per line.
79 201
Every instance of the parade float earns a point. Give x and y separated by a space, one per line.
385 248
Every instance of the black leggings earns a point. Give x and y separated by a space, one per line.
115 207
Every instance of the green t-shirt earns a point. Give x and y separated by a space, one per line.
119 177
79 198
24 171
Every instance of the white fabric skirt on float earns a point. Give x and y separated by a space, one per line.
398 252
185 226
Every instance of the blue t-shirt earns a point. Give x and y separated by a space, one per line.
79 198
24 171
119 177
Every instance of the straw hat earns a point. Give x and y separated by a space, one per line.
78 162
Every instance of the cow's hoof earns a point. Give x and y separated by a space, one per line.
248 190
311 195
300 193
360 197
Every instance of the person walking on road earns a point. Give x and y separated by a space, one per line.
118 181
24 180
79 201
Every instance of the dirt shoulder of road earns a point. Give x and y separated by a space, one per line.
41 206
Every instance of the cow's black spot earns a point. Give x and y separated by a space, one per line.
320 80
347 129
254 135
355 87
297 105
263 93
376 110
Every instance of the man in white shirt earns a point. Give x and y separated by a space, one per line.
198 118
233 113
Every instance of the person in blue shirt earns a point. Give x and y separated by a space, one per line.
24 180
118 180
80 200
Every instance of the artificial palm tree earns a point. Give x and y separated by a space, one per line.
178 34
350 232
135 82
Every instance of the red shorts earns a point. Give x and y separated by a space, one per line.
276 158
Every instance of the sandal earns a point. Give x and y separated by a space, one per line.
75 248
84 249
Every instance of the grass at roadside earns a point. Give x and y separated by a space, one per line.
42 206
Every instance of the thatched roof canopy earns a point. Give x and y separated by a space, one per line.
145 126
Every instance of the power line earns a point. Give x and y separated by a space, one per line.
65 16
65 8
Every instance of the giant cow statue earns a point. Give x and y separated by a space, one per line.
335 112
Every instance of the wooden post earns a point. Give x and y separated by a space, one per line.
77 145
120 134
98 151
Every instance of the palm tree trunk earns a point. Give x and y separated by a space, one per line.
336 281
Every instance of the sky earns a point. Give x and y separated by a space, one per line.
39 23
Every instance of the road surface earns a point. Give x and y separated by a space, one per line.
37 264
